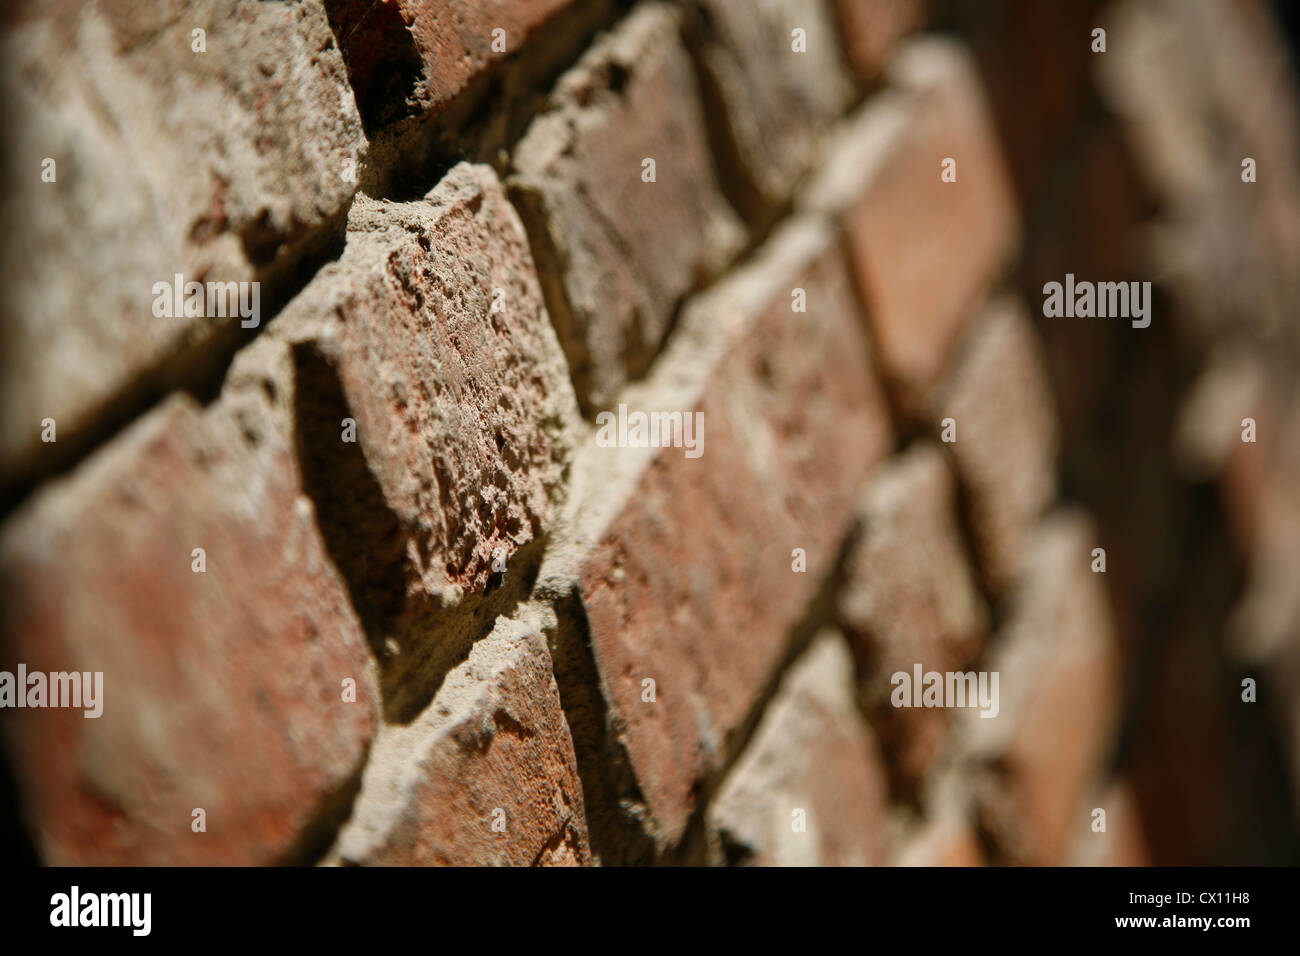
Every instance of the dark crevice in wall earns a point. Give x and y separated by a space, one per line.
410 150
16 846
320 833
383 64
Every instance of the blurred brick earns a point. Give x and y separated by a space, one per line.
924 251
461 415
618 253
492 749
1007 438
222 690
1123 843
812 752
684 566
946 840
1056 659
777 102
232 181
871 28
909 597
1201 86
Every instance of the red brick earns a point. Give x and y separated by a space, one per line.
1056 659
871 28
910 597
812 752
1007 437
411 56
461 416
946 840
233 181
778 103
684 565
620 253
222 690
924 251
493 747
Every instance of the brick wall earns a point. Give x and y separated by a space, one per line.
368 584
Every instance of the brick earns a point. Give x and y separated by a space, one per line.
684 565
923 250
234 181
946 840
222 690
1226 247
1058 689
461 418
910 597
812 752
485 776
870 29
618 253
1123 843
407 57
777 102
1007 437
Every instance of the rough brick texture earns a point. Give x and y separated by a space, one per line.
777 69
430 335
623 251
485 776
408 57
447 612
230 183
223 689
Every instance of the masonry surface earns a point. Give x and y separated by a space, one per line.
366 589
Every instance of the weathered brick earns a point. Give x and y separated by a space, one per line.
809 790
909 597
1007 437
618 253
485 776
1058 695
684 565
779 91
413 56
461 415
946 840
232 181
924 251
222 690
871 28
